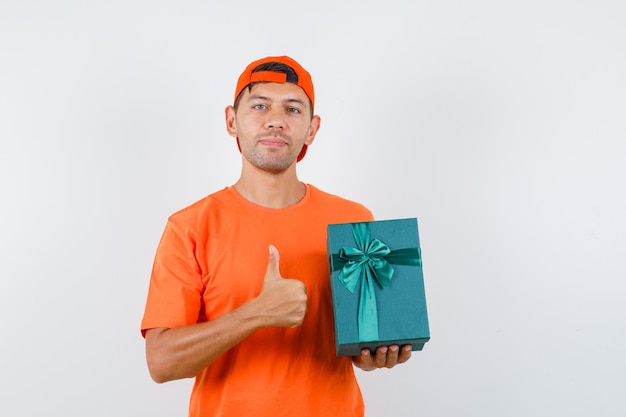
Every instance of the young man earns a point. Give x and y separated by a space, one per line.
239 296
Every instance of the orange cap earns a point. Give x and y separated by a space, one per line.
302 80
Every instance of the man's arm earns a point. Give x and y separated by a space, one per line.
386 357
182 352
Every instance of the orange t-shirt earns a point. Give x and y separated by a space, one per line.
212 258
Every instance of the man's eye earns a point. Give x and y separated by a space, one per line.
260 106
293 110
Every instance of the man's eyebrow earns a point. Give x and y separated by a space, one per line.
257 97
296 100
262 97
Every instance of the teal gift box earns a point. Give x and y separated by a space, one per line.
377 285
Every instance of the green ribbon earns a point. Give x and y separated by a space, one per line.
368 262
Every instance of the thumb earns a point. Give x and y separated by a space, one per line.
273 270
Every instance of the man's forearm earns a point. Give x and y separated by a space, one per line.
182 352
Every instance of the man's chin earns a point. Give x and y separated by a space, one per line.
274 166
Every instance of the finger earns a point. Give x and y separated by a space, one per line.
405 353
392 356
381 356
273 263
366 355
367 359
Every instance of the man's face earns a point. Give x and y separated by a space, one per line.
273 121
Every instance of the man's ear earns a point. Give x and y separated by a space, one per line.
231 121
313 128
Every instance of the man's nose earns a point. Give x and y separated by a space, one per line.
275 119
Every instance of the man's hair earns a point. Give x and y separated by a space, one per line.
273 67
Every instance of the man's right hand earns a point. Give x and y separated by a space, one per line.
283 301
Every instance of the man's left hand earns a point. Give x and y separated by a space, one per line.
385 357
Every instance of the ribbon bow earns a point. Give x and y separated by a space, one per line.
369 262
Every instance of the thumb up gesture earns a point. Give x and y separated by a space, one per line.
282 301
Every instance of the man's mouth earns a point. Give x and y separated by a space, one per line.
273 142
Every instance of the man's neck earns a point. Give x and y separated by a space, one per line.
273 190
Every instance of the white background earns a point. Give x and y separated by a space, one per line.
501 125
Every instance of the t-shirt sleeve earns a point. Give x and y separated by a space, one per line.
175 291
